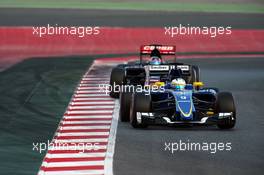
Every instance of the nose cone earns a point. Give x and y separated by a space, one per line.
184 105
185 109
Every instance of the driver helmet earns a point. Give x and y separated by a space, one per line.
155 60
155 57
178 83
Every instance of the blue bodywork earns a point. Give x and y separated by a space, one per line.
183 103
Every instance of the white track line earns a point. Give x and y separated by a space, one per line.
92 107
89 101
88 95
80 140
83 127
83 134
87 120
111 142
75 155
89 112
89 91
78 148
76 172
96 78
93 98
80 163
87 74
87 117
89 88
88 85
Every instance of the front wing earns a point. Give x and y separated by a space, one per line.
153 119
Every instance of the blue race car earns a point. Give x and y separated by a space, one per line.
179 103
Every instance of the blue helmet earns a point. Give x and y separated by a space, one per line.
155 60
155 57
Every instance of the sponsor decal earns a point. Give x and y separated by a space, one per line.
159 67
163 48
183 67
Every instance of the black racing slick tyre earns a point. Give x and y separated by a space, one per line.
225 104
140 103
117 78
125 103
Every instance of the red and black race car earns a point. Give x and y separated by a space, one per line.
156 63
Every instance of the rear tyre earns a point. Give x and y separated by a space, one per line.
225 104
140 103
195 74
117 78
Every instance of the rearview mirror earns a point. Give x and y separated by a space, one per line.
159 84
198 84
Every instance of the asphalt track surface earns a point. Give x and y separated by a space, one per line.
73 17
142 151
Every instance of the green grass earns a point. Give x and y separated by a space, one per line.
160 6
34 96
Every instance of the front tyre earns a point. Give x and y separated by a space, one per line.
140 103
125 103
225 104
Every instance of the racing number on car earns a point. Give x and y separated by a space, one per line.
183 97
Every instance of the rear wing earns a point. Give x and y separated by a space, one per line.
163 49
